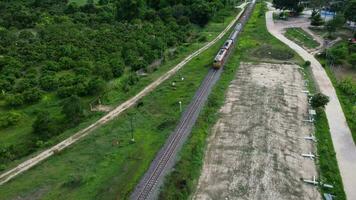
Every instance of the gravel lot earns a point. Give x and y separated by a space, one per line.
255 149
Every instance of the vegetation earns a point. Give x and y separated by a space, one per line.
301 37
319 100
105 165
328 167
293 5
181 183
53 50
316 19
327 164
339 55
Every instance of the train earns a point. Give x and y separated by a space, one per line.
230 42
225 49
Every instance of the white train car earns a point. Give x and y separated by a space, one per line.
219 58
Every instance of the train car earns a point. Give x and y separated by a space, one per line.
228 44
238 27
224 51
219 59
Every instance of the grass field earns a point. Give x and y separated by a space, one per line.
105 165
301 37
181 183
20 135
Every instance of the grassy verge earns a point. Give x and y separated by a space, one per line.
105 165
301 37
19 136
181 182
326 162
347 101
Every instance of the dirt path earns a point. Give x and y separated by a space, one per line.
255 149
111 115
341 135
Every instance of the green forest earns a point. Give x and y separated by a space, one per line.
68 51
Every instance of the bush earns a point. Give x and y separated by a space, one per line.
14 100
316 20
9 119
352 60
45 126
307 63
32 95
319 100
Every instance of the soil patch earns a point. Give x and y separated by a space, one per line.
255 149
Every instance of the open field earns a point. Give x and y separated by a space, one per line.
254 150
301 37
19 136
105 165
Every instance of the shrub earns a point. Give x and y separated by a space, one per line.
45 126
32 95
352 60
14 100
307 63
9 119
316 20
319 100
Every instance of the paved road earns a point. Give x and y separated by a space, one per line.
341 135
111 115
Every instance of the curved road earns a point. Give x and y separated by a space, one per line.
111 115
341 135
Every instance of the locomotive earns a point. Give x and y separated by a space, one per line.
225 49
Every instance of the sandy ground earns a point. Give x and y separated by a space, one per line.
255 149
340 132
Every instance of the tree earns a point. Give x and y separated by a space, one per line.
14 100
44 125
319 100
129 9
73 109
350 11
9 119
316 20
32 95
201 12
48 82
95 86
337 22
292 5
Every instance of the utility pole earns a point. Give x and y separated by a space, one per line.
132 129
180 106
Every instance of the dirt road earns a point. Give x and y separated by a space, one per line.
111 115
255 149
341 135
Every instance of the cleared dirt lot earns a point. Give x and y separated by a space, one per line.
255 149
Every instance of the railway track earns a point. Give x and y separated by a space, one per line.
149 184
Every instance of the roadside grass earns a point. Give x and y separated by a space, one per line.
181 182
327 164
347 101
301 37
19 136
105 165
